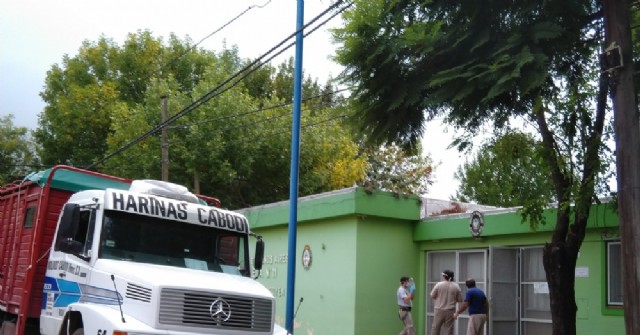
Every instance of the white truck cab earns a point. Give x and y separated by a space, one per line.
152 260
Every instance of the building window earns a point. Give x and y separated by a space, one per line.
535 298
614 274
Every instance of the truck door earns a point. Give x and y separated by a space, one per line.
68 270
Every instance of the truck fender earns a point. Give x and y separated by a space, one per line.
100 319
71 324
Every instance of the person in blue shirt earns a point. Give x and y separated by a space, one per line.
476 301
404 297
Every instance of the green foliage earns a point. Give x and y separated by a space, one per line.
508 171
82 94
478 64
235 146
395 170
17 154
239 151
410 61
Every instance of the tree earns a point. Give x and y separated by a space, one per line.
17 151
82 93
235 145
239 151
268 82
478 62
394 170
506 171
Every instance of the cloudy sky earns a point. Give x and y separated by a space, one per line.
36 34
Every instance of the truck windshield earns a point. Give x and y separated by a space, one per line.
143 239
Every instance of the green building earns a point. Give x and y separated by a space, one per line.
353 247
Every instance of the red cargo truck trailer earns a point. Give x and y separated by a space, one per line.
29 211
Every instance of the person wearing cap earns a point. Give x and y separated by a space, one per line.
405 295
445 294
476 301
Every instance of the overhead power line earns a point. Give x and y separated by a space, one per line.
275 132
263 109
186 51
231 21
231 81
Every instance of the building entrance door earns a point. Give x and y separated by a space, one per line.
465 264
513 279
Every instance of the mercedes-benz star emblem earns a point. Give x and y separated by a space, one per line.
220 310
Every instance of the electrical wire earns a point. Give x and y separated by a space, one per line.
262 135
263 109
231 21
220 88
186 51
244 125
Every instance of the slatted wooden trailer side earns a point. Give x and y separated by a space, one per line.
29 211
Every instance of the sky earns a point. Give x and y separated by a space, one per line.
36 34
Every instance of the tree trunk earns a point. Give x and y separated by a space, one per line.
560 255
559 261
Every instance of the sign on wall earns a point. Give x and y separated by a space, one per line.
307 257
476 224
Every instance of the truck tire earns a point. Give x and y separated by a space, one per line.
79 331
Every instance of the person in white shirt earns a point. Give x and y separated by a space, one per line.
405 295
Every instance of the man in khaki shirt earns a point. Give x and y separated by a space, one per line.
445 294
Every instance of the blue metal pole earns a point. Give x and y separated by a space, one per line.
295 160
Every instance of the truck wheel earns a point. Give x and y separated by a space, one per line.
79 331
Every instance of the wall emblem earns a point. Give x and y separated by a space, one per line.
307 258
476 224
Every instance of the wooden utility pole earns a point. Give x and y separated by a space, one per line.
627 129
165 142
196 182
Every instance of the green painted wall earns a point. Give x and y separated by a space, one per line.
499 223
328 286
506 229
386 252
361 245
594 317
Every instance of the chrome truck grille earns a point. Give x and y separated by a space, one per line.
216 311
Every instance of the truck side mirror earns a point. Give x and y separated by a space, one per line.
68 224
259 255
